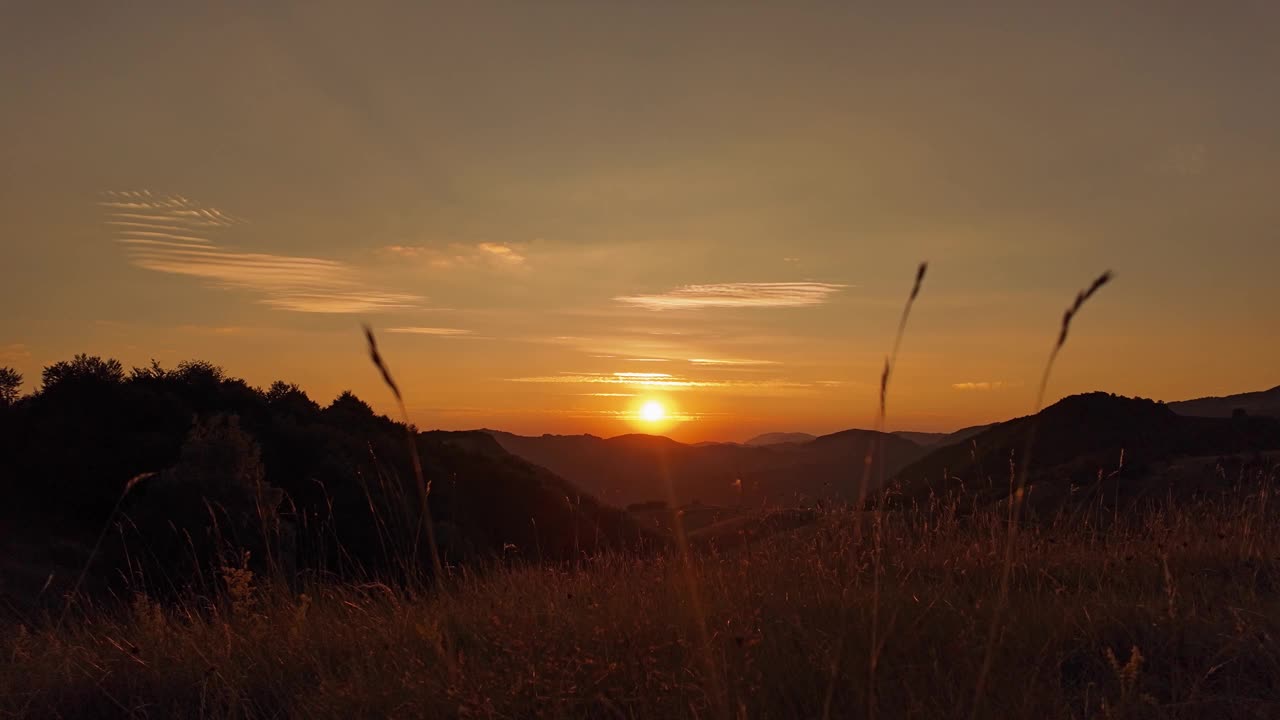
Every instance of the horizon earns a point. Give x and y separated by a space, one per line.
637 424
557 217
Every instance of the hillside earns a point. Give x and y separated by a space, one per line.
638 468
941 439
1079 438
183 463
779 438
1266 403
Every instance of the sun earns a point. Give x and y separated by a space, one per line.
653 411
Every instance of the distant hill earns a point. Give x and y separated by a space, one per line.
1265 403
1078 438
778 438
940 439
638 468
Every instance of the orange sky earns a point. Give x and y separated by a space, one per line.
552 214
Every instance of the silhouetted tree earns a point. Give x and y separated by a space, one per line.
10 386
211 505
81 371
225 463
289 399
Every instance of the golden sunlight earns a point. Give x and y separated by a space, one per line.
653 411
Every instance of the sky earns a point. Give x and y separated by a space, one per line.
554 213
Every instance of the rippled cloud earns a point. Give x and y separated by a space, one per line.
174 234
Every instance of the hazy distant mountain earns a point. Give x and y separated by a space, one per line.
1266 403
1078 438
940 439
778 438
637 468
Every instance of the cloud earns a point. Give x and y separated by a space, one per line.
663 381
732 362
736 295
459 255
149 237
439 331
170 234
594 378
650 376
169 209
502 253
983 385
335 302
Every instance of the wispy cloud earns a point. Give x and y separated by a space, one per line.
171 234
737 295
502 253
661 381
460 255
648 376
437 331
600 378
981 385
732 362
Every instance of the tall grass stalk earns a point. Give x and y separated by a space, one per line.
1019 490
445 646
424 487
875 448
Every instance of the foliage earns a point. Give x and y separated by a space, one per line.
10 385
231 467
81 371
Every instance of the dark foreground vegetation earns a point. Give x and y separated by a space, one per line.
179 544
186 468
1167 612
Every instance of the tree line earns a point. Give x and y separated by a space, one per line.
190 469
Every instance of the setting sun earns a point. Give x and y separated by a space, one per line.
653 411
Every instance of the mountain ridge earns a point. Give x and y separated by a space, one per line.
1262 402
635 468
1080 440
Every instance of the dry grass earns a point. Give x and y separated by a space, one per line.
1169 612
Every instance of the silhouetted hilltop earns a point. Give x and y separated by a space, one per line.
637 468
778 438
940 439
1265 403
190 463
1079 437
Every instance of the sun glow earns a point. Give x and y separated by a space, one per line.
653 411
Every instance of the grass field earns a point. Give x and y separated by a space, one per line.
1168 611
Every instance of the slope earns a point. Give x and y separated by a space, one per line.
638 468
1077 441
